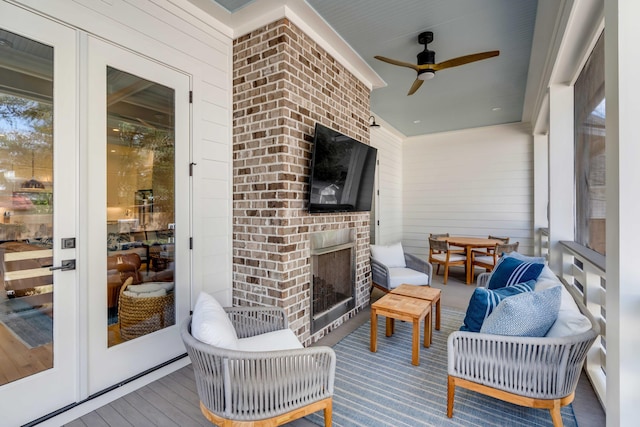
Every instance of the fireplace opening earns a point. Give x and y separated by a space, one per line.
333 279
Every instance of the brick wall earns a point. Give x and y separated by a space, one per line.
283 84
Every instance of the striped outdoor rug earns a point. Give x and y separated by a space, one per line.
385 389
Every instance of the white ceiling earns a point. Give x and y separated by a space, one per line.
482 93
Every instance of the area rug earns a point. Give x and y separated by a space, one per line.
385 389
27 323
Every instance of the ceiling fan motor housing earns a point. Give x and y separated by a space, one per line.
426 57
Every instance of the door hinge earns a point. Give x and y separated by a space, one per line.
191 165
190 97
377 192
190 242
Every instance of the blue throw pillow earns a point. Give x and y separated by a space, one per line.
483 301
530 314
510 271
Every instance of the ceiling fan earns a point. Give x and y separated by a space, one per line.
427 67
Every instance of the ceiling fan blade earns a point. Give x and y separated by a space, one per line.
415 86
461 60
396 62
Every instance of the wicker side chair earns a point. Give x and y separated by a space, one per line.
416 272
267 388
537 372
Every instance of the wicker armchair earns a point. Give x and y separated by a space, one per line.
269 388
540 372
416 272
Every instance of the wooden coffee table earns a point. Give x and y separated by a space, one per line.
401 307
422 292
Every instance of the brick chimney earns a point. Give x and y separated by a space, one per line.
283 84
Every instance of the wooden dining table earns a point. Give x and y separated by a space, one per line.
470 243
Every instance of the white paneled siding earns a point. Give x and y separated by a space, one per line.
389 186
469 183
179 35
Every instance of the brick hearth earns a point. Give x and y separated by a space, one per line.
283 84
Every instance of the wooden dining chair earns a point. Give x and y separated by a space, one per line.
488 261
504 239
489 251
437 236
441 254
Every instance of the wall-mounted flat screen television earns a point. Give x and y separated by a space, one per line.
342 173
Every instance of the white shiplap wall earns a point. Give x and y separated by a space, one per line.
472 182
389 185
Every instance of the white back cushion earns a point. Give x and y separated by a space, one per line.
211 324
391 256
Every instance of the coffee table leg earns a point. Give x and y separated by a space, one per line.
374 331
415 349
438 314
428 336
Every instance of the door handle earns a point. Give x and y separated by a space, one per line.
67 264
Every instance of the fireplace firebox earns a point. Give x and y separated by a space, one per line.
332 276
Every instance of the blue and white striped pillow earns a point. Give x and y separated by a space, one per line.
511 271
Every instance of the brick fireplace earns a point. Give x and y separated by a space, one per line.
283 84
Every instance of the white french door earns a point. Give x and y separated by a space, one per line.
137 213
39 209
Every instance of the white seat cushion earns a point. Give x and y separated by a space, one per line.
453 257
399 275
485 259
283 339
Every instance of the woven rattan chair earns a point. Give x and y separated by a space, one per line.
488 260
537 372
139 316
268 388
416 272
441 254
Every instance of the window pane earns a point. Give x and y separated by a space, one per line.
140 206
590 152
26 207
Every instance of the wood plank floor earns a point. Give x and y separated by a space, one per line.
170 401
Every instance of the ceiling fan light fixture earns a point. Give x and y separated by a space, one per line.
426 75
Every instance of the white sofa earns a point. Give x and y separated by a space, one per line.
540 372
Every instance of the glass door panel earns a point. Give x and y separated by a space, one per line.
26 204
140 156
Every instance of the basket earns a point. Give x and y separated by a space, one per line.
138 316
